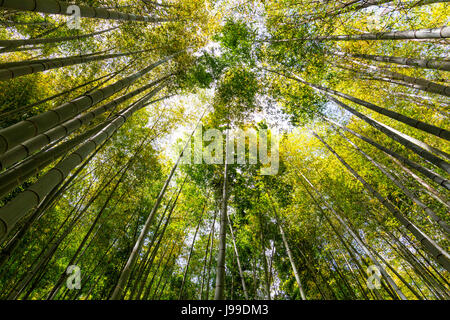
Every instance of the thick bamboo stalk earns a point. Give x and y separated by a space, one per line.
19 69
40 35
439 132
417 83
17 175
59 7
415 145
47 252
25 42
413 62
49 201
18 111
435 33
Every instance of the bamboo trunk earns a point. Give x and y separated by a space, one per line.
17 43
59 7
412 62
414 82
14 70
436 33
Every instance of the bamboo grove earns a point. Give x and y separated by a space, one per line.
96 123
